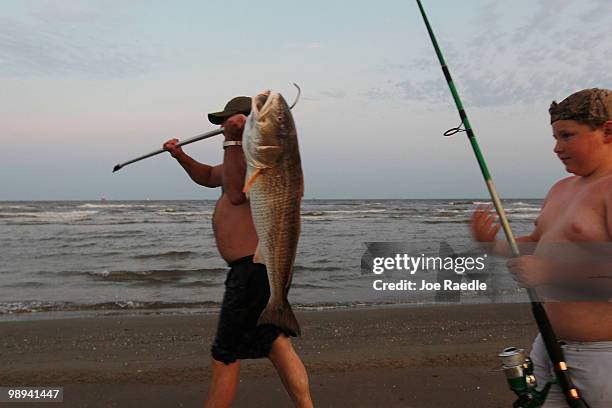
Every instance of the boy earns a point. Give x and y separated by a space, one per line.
572 233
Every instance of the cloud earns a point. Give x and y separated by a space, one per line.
546 15
336 94
62 41
302 45
53 12
503 63
601 10
376 93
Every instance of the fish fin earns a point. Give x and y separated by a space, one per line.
269 154
268 148
250 181
258 257
281 316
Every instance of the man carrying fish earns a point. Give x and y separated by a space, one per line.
247 287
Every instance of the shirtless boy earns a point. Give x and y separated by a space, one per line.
573 229
246 287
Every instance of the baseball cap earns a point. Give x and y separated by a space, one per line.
239 104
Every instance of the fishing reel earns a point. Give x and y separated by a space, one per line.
519 373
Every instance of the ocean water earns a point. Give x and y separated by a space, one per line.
72 256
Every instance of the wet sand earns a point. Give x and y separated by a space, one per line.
433 356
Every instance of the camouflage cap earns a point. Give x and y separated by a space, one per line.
589 105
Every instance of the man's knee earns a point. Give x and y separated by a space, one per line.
222 353
220 367
281 346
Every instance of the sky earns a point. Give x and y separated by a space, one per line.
85 85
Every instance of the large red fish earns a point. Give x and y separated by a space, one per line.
275 186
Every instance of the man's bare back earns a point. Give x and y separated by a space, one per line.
575 212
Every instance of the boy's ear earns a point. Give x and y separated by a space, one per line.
607 128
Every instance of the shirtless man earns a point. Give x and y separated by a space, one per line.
246 287
572 234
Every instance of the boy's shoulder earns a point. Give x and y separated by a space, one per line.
604 183
556 190
560 190
606 186
561 185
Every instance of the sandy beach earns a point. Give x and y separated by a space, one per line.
433 356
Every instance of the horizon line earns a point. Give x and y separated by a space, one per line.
305 198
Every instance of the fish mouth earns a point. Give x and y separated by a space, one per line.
261 99
263 102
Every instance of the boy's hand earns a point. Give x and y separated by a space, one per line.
484 224
530 271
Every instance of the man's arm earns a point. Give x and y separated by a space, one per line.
234 163
202 174
608 212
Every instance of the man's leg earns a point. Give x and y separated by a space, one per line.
291 371
234 312
222 388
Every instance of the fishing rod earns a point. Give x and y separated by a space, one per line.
183 143
195 138
525 388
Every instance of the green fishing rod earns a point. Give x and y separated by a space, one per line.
520 374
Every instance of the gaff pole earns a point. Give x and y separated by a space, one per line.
192 139
158 151
555 352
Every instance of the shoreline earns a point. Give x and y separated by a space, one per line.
391 356
193 309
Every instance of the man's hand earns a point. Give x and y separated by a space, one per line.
530 271
484 226
170 146
233 127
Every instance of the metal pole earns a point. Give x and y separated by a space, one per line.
183 143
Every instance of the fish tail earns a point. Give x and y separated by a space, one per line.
281 316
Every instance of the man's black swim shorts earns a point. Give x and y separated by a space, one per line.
246 294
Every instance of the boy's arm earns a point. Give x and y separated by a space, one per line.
587 276
484 227
202 174
587 273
